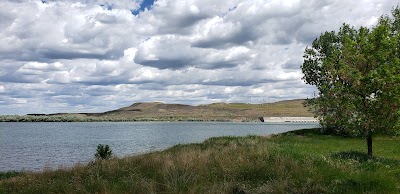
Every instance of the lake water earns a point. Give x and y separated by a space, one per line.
35 146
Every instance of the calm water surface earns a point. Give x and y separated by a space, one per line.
35 146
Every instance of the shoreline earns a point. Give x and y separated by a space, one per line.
268 129
26 118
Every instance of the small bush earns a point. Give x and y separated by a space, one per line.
103 152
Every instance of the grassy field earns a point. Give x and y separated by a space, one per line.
155 111
296 162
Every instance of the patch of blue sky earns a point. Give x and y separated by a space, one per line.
146 4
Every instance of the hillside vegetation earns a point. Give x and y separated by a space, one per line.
156 111
210 112
296 162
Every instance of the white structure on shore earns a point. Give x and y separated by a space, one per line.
289 119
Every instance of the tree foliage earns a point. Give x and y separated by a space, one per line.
357 74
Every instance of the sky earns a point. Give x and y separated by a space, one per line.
100 55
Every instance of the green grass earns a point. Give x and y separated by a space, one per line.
7 175
295 162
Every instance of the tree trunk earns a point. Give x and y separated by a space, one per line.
369 143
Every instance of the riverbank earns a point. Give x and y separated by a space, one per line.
34 146
295 162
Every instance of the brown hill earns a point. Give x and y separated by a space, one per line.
211 112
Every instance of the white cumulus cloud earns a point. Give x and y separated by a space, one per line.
98 55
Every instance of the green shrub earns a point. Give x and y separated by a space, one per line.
103 152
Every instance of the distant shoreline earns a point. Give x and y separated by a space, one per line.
283 111
62 119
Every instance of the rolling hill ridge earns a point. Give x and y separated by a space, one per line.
210 112
157 111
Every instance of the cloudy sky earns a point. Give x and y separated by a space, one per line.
99 55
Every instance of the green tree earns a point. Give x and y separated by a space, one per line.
103 152
357 74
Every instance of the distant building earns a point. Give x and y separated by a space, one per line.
289 119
